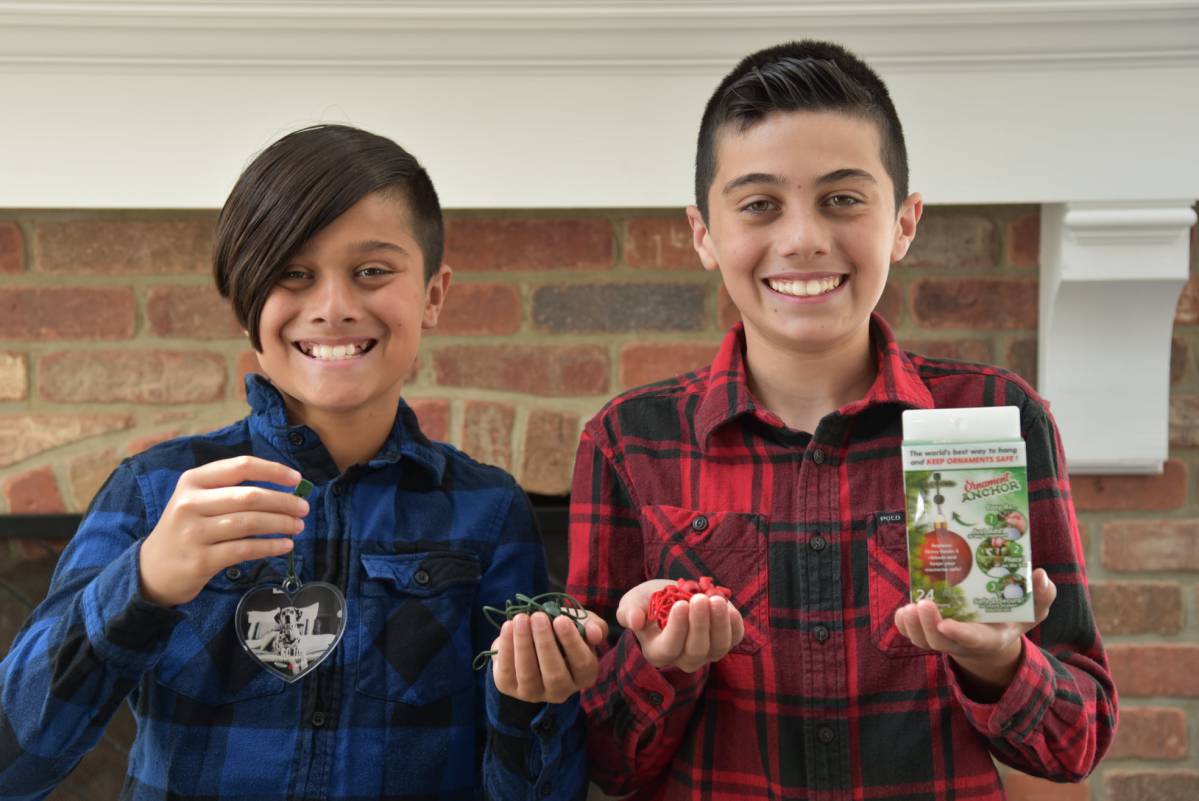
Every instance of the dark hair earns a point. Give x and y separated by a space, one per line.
296 187
799 76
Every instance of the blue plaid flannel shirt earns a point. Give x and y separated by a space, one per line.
395 712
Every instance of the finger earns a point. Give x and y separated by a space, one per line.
631 617
524 656
667 645
596 628
245 525
930 617
580 659
630 611
555 677
720 629
911 626
227 500
736 625
231 472
699 641
1044 593
970 636
503 671
224 554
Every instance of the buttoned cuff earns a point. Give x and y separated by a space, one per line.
126 631
650 691
1019 710
528 736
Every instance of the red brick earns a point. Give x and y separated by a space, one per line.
1180 359
727 314
1151 785
952 239
506 243
133 376
124 246
962 349
42 314
1127 607
433 416
481 309
1024 241
88 474
247 362
890 304
1132 493
1022 787
1155 669
550 444
1184 421
1187 311
607 308
1170 545
645 363
195 312
25 435
14 376
33 493
487 432
139 444
12 248
660 243
1150 732
547 370
1022 358
975 303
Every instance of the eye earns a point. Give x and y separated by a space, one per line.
842 201
760 206
373 271
294 274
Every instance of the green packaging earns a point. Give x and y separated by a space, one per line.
969 539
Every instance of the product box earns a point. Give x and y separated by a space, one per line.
969 539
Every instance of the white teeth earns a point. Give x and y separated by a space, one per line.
333 352
806 289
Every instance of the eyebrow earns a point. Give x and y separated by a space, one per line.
842 174
372 245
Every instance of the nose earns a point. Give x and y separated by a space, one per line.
806 234
334 300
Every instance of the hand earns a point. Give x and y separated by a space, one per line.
534 665
697 632
989 652
211 523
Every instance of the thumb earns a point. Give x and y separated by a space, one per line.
1044 592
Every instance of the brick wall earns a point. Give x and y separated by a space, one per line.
111 339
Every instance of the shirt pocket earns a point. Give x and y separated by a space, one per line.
890 584
204 660
728 546
414 640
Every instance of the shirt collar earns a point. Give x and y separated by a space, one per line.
727 395
268 418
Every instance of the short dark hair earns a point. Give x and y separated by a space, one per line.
799 76
296 187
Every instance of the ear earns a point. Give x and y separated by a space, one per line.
701 239
905 225
435 294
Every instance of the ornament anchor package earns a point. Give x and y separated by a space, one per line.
969 539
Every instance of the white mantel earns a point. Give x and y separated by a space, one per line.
1069 103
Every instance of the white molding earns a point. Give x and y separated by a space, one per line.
1110 279
266 36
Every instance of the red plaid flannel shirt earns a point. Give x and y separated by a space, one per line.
823 699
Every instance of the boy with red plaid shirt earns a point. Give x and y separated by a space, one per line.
776 471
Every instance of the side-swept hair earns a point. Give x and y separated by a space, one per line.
799 76
296 187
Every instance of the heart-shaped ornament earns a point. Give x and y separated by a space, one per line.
291 632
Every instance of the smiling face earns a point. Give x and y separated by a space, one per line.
803 228
341 328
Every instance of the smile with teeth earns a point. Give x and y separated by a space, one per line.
806 288
335 352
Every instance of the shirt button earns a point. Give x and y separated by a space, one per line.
700 523
338 489
547 789
818 456
820 633
295 438
318 719
421 577
655 699
817 543
825 735
546 728
233 573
